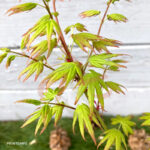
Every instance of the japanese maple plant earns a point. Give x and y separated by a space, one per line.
89 78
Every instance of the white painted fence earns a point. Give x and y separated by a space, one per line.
135 33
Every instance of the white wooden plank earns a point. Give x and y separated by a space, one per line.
135 31
136 101
136 75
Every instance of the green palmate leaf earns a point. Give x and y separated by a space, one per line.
34 116
117 18
103 125
42 47
52 45
67 72
39 29
44 114
50 30
115 68
125 123
113 136
39 23
115 87
50 26
21 8
9 60
92 83
30 101
83 40
146 117
103 43
31 69
58 110
2 57
82 112
47 114
51 94
56 26
78 26
39 49
89 13
104 59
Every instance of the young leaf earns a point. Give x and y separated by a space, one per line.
47 113
30 101
53 44
50 29
112 1
67 72
93 83
9 60
42 47
78 26
56 26
146 117
104 59
37 26
125 123
51 94
21 8
115 87
113 136
82 112
103 43
58 110
5 50
41 28
39 124
39 49
2 57
90 13
31 69
83 40
34 116
37 30
97 114
44 114
24 41
117 18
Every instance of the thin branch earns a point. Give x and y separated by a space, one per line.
48 9
104 16
24 55
100 28
61 34
63 105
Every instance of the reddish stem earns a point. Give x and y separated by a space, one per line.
61 35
